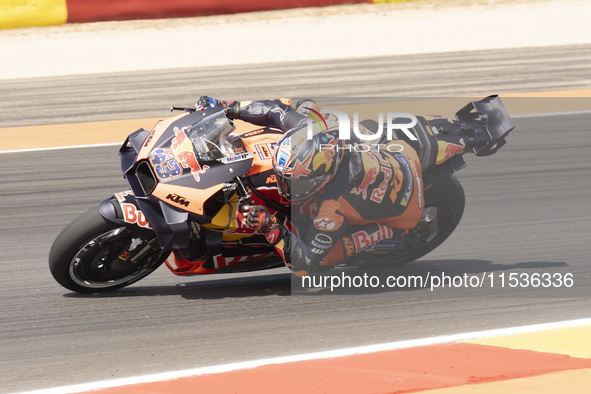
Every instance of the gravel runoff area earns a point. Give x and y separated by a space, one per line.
337 32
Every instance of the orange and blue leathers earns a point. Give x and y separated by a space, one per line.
373 194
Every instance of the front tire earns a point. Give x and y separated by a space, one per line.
83 258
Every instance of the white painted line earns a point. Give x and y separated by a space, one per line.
60 147
312 356
583 112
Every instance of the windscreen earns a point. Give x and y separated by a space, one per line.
210 136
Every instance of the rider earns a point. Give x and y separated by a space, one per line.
351 198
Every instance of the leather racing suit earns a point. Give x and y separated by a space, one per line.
374 195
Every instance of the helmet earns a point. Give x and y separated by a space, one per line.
307 107
303 166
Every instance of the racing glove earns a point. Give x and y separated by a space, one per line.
299 262
258 218
233 107
293 250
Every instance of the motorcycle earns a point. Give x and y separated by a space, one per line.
188 175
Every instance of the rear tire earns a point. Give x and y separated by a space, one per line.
82 257
448 197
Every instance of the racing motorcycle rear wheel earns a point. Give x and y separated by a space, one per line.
445 201
85 257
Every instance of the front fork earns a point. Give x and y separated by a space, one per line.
123 209
130 254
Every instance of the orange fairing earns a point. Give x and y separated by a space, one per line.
186 267
155 135
263 146
185 198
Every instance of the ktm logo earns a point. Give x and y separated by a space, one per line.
178 199
149 139
271 179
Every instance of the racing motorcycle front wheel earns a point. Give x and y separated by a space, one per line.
94 255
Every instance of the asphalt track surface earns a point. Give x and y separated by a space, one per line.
146 94
527 212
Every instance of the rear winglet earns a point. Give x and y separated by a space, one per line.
490 113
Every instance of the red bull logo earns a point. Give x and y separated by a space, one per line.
362 240
368 179
189 160
448 150
179 138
